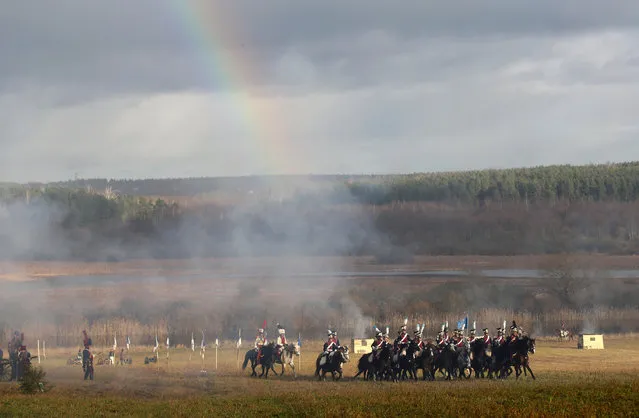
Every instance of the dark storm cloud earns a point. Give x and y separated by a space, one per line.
116 46
123 88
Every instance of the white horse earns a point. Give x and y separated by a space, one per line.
289 351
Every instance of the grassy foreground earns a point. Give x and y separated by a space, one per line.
570 382
589 395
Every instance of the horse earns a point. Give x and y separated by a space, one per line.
333 364
425 361
520 350
463 361
498 365
382 365
367 362
564 334
445 361
286 357
267 360
364 364
406 364
479 361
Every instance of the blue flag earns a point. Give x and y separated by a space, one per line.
299 340
463 324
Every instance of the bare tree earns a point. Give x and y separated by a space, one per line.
566 276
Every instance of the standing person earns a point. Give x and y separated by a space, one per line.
87 363
121 356
87 357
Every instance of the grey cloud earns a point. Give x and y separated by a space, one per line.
116 88
122 46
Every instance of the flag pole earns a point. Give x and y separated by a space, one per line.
38 351
299 344
237 349
216 345
44 349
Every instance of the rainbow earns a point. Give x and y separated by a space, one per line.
211 29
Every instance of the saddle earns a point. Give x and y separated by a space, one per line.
325 358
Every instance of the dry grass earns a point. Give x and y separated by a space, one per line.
256 265
570 382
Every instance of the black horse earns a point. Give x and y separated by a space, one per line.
364 365
445 361
267 360
405 366
333 364
479 361
462 366
425 361
499 363
520 350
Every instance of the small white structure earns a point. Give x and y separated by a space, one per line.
362 345
590 342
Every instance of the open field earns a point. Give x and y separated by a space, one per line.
570 382
256 265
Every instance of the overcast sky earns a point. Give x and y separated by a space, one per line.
141 88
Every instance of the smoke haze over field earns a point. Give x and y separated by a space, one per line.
144 89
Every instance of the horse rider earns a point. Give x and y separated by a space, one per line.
499 339
280 342
260 341
377 346
472 336
443 342
336 339
453 337
486 337
402 340
417 338
514 333
330 346
460 341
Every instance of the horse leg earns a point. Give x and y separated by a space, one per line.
273 368
530 370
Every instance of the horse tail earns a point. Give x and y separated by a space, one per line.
247 356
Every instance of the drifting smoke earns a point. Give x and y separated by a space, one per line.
304 233
279 255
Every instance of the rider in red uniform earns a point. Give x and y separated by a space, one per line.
281 340
418 339
402 340
260 341
486 337
444 340
378 345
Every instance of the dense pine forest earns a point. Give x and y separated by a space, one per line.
513 211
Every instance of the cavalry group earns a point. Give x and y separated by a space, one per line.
453 355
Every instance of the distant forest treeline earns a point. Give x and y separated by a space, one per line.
513 211
603 182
